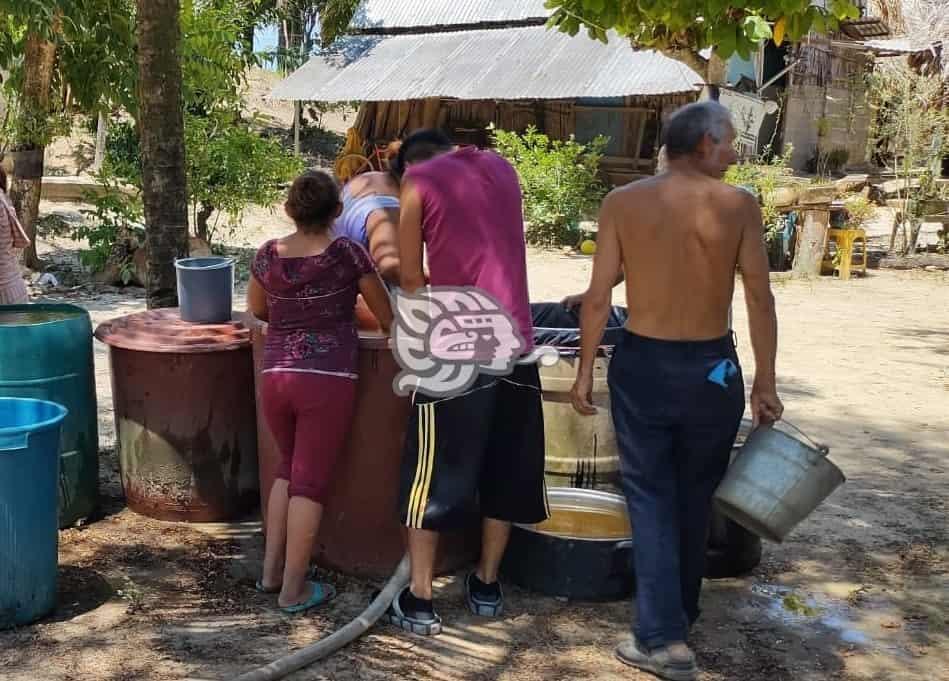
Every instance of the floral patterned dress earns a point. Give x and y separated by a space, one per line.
312 308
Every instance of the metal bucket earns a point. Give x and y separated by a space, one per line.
776 482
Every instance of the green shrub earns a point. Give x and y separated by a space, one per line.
229 166
762 177
559 180
859 211
115 221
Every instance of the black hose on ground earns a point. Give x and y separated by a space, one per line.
339 639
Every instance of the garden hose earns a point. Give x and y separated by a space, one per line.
339 639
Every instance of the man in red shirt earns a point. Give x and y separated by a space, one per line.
480 452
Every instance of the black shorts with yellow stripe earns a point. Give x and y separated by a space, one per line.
480 453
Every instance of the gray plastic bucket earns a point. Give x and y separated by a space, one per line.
205 289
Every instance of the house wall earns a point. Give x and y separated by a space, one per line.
827 105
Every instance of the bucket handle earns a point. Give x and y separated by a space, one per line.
824 450
14 442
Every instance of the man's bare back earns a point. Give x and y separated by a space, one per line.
679 237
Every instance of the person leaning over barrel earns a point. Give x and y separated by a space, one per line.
305 285
478 453
676 389
12 238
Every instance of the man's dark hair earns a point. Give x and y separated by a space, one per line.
419 146
3 180
690 124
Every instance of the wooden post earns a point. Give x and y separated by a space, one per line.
297 120
812 242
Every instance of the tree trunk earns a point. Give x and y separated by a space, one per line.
161 134
38 61
102 138
915 226
201 222
812 242
712 70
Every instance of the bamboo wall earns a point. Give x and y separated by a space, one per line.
467 121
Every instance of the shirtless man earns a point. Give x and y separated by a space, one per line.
676 385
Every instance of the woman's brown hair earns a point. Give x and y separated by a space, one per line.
313 201
3 180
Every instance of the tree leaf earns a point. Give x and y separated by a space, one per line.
780 27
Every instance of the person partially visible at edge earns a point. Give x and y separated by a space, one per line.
305 286
676 386
370 217
12 239
479 454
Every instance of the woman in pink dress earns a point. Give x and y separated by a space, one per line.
12 237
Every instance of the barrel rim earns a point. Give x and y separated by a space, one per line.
578 496
220 262
61 413
50 307
164 332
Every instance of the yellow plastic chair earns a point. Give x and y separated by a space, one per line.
844 241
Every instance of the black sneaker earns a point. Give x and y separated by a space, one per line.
414 615
484 600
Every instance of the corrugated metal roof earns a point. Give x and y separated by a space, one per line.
865 28
514 63
395 14
900 46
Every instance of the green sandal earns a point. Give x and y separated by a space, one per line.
322 593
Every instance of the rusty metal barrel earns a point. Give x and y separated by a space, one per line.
360 533
184 416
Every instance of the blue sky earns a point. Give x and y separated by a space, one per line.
265 39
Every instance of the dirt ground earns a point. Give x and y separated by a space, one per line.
863 366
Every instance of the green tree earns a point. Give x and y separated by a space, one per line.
681 28
160 118
910 136
559 180
229 167
227 164
52 46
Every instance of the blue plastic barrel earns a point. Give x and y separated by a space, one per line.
46 354
29 519
205 289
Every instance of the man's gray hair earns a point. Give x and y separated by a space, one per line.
689 125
